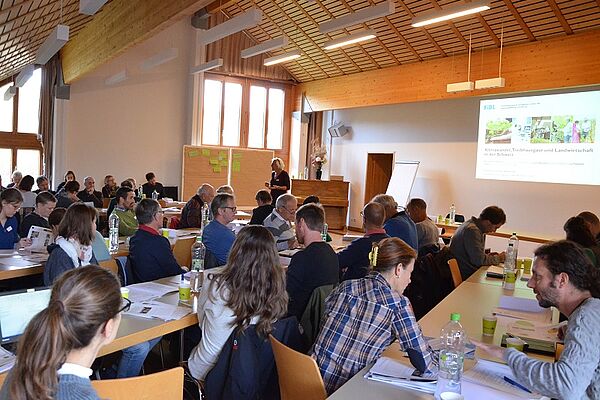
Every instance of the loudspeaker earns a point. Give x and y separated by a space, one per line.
200 19
338 130
63 92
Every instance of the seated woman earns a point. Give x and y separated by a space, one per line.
10 203
25 187
364 316
61 342
73 246
249 290
578 231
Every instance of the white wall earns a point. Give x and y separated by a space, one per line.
442 135
133 127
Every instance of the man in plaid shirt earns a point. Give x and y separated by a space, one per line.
365 316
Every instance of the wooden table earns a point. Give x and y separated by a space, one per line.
15 264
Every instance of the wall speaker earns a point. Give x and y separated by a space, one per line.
338 129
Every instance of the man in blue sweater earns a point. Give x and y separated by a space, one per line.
217 237
397 224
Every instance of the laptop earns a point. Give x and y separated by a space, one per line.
17 309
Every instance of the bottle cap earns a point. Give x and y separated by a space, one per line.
455 317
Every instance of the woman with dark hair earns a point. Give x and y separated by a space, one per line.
68 194
249 290
579 232
25 187
73 248
60 343
10 203
69 176
364 316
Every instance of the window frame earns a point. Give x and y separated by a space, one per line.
245 111
15 140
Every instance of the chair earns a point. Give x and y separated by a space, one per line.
106 202
458 218
299 376
183 251
161 385
2 379
111 265
456 276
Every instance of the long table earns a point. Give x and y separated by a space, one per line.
472 299
15 264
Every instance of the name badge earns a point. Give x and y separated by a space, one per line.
9 229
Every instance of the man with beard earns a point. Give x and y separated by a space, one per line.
563 277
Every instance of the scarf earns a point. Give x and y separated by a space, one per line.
80 254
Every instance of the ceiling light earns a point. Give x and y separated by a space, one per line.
490 83
90 7
269 45
366 14
236 24
290 55
350 39
466 86
117 78
160 58
24 75
216 63
452 12
53 43
10 93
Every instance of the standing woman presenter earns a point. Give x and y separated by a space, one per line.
280 180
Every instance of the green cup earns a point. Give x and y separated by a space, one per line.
165 232
185 291
519 263
489 325
124 292
510 277
527 264
515 343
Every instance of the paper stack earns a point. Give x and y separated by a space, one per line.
393 372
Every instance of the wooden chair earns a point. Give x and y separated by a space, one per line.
161 385
111 265
105 202
2 379
299 376
456 276
183 251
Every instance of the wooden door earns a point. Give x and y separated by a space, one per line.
379 172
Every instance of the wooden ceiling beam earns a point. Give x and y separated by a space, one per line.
44 13
219 5
561 18
15 6
425 32
488 29
520 20
121 25
452 26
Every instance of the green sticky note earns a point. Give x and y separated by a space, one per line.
217 169
213 161
237 155
193 153
235 166
224 163
223 154
206 152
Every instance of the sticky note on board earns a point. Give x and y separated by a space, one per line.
217 169
224 163
213 161
223 154
237 155
193 153
206 152
235 166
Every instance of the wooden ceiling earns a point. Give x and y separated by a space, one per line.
399 43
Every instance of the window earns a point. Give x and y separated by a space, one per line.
246 113
29 104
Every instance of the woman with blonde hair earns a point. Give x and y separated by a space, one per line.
280 180
249 290
60 343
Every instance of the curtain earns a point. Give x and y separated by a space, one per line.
315 126
50 73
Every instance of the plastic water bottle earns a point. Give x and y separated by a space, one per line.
205 216
510 273
514 239
452 354
113 232
324 232
452 213
155 195
197 272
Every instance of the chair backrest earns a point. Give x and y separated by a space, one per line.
183 251
299 376
105 202
110 265
2 379
455 271
161 385
124 272
174 223
312 315
210 260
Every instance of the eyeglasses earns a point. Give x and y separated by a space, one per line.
126 306
290 211
233 209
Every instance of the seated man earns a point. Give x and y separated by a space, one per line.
150 253
427 233
354 259
279 222
316 265
468 242
592 222
191 215
42 184
89 194
563 277
217 237
397 224
68 194
263 201
128 224
152 185
45 202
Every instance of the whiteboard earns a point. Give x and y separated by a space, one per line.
402 180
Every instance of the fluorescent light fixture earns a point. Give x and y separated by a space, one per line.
290 55
366 14
269 45
90 7
452 12
24 75
490 83
117 78
460 87
236 24
10 93
53 43
350 39
160 58
216 63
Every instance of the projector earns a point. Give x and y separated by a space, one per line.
489 83
459 87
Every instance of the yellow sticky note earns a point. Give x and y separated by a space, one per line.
223 154
217 169
235 167
193 153
237 155
213 161
224 163
206 152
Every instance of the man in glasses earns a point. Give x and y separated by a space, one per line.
280 222
217 237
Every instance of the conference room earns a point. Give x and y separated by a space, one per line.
490 108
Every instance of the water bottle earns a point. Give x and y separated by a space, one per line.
324 232
515 241
113 232
452 213
197 272
155 195
205 216
510 273
452 354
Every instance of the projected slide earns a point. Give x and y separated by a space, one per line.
550 138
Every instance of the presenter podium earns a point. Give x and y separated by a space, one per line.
332 194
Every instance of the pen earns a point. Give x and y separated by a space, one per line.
507 379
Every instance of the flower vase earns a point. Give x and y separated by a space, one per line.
319 173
